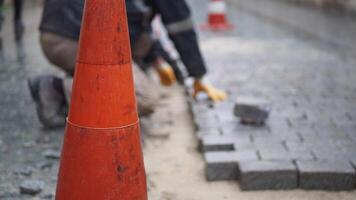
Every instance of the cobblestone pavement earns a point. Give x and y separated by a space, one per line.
309 140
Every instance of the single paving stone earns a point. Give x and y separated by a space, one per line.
247 145
283 154
326 175
348 145
240 130
278 125
287 136
223 165
31 187
267 140
218 143
51 154
308 135
267 175
224 112
206 116
206 124
244 144
332 153
334 135
207 133
273 153
310 145
251 110
227 117
224 106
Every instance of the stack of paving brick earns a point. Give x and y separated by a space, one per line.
274 156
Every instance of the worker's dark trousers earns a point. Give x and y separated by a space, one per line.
176 13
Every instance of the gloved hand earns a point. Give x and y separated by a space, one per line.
213 93
166 74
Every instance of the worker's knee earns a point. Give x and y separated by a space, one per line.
59 50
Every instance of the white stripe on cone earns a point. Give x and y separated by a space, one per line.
217 6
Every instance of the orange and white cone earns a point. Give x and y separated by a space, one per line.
217 20
102 155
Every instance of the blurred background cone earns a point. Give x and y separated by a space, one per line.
217 19
102 156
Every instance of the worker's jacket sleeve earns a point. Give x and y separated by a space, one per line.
143 45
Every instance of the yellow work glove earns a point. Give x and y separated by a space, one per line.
213 93
166 74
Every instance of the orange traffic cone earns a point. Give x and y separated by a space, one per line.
102 156
217 20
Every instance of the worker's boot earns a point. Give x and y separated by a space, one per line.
203 86
48 95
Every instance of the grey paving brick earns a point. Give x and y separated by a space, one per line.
329 153
223 165
334 135
208 126
265 175
224 112
204 117
208 132
287 137
251 110
326 175
227 117
308 134
244 144
257 146
301 154
206 122
226 106
277 153
267 142
273 153
218 143
348 145
278 125
240 129
317 144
